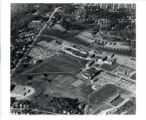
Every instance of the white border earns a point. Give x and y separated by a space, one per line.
5 66
0 59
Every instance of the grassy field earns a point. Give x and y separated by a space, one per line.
103 94
133 76
44 38
67 36
58 33
110 67
58 87
62 63
86 91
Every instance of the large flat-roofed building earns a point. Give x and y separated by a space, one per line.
90 73
76 52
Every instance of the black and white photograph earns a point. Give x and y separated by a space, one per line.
73 59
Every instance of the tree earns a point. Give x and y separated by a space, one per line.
30 77
45 74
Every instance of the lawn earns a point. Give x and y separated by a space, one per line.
62 63
46 92
44 38
58 33
58 86
67 36
110 67
86 90
133 76
103 94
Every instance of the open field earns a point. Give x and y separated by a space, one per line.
133 76
44 38
86 90
52 90
55 84
103 94
67 36
62 63
110 67
73 59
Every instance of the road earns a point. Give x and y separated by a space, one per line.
56 10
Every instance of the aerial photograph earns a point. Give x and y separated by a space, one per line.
73 59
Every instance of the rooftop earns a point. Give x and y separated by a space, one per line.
91 72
